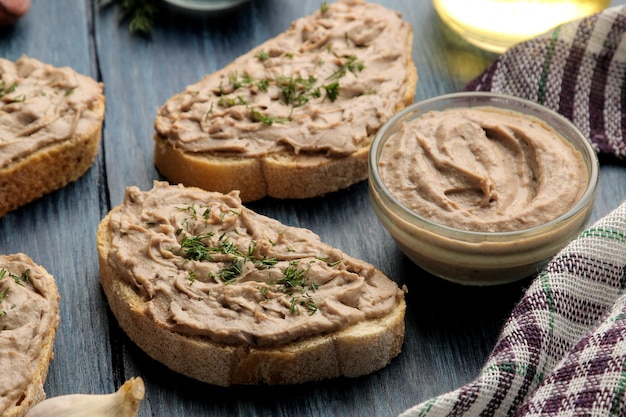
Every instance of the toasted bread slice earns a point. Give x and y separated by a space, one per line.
224 295
295 116
29 317
50 125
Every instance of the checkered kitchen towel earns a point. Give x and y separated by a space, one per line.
562 352
578 70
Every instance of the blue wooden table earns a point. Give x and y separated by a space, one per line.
450 329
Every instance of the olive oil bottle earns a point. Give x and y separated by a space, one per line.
496 25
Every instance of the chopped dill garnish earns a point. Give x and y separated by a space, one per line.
263 84
296 90
351 65
191 209
265 263
332 91
264 291
21 279
192 277
305 301
195 249
262 55
3 294
292 277
226 101
292 282
4 90
268 120
293 91
231 272
206 214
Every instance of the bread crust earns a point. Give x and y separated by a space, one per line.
357 350
47 170
34 392
284 175
276 175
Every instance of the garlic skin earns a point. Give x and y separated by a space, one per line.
122 403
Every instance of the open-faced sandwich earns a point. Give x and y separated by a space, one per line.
50 124
224 295
295 116
29 317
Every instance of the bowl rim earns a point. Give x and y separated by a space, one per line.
204 5
586 151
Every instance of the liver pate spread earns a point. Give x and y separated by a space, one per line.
42 105
482 169
26 315
326 85
208 266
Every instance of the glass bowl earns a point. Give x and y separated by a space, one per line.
480 257
205 5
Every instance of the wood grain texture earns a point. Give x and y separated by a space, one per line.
450 329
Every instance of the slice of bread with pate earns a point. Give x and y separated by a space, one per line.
295 116
227 296
29 317
50 124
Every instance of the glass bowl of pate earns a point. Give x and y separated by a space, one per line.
481 188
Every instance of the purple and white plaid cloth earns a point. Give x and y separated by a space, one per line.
562 352
578 70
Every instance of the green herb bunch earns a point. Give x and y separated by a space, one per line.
141 14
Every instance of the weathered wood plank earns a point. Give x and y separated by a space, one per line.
58 231
450 329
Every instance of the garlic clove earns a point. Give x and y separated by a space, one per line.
122 403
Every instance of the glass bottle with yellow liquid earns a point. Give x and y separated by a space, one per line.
496 25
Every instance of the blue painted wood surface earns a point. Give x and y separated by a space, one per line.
450 330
